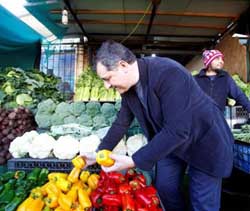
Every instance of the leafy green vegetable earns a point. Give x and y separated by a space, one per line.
23 99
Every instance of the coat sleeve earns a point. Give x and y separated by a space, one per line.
174 92
236 93
119 127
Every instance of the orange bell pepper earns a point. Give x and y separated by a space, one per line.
103 158
78 162
35 205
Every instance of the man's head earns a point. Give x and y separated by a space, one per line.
213 59
116 65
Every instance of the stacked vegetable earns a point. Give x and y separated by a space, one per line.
242 134
27 88
116 191
63 191
90 87
15 187
245 87
91 114
13 123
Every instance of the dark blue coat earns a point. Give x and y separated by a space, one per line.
179 118
222 87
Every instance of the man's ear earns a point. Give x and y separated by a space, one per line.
123 63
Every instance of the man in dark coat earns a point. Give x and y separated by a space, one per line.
217 83
182 124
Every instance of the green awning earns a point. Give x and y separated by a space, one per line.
19 44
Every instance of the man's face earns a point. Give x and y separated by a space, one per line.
118 78
217 63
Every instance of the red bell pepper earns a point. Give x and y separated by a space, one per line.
135 184
143 198
142 209
111 187
128 203
141 179
110 208
130 174
155 200
125 188
150 190
111 200
96 199
116 177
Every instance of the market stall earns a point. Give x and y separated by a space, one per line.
51 114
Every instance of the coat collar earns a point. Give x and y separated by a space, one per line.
202 73
142 67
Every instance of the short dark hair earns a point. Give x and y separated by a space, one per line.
111 52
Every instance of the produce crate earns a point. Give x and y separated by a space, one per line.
238 115
242 156
53 165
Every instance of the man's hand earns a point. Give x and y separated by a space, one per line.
89 157
121 162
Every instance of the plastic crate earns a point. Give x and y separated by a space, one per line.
235 115
242 156
53 165
238 115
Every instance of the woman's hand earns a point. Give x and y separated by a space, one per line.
121 162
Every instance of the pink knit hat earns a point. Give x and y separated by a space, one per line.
210 55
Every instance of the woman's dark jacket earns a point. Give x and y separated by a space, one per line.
222 87
177 118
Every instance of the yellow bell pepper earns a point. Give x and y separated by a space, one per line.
52 189
74 175
63 184
36 193
79 185
78 208
35 205
43 189
78 162
93 181
55 175
88 190
73 193
84 176
103 158
51 201
23 206
84 199
65 202
59 209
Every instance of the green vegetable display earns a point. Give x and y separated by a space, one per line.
27 88
16 186
90 87
245 87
